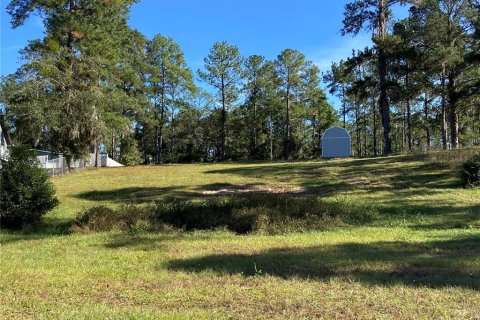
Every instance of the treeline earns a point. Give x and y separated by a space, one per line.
418 86
94 84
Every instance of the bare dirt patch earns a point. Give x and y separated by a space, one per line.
254 189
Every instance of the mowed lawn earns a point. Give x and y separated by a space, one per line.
419 259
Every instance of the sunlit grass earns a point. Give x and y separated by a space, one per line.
420 259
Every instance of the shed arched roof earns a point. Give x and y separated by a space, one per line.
336 132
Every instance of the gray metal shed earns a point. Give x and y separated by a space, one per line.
336 143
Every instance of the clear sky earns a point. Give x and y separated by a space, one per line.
263 27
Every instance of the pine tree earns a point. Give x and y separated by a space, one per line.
72 67
376 15
224 70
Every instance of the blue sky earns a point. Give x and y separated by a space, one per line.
263 27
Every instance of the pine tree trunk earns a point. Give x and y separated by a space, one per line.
157 145
255 126
375 147
271 138
223 134
365 152
358 130
409 114
477 140
112 153
382 69
96 155
409 126
444 114
122 147
384 106
454 128
427 120
444 128
344 107
452 99
404 130
286 145
223 147
160 127
173 155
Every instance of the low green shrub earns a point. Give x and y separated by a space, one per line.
26 193
259 213
471 171
123 218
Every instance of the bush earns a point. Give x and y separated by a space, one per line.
124 218
259 213
26 194
471 171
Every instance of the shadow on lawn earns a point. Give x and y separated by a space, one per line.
49 227
432 264
134 195
332 178
149 241
446 217
140 195
395 179
430 208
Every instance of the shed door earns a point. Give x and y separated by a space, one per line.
335 147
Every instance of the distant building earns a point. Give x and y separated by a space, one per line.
4 140
106 161
50 160
336 143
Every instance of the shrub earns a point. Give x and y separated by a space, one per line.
124 218
260 213
26 194
471 171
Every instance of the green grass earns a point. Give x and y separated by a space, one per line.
420 259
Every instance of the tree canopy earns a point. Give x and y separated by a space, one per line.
93 84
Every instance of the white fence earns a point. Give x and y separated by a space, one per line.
58 166
3 152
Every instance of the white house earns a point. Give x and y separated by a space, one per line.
4 141
336 143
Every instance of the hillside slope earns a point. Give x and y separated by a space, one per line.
401 187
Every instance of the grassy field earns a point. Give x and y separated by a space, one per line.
419 259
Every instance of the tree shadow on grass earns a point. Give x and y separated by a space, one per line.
134 195
141 195
225 185
428 214
149 241
50 226
370 174
9 237
447 217
133 241
399 188
432 264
